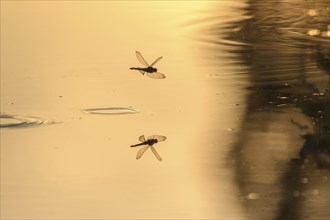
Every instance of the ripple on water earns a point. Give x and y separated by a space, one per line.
111 111
20 121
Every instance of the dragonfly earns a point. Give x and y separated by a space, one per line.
149 70
149 142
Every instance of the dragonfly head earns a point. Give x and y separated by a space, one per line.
155 69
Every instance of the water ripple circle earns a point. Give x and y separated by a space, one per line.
111 111
20 121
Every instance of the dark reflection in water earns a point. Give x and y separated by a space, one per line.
282 157
20 121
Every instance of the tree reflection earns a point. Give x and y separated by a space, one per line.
286 130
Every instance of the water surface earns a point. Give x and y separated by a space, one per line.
244 107
61 60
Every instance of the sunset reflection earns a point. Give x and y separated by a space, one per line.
68 63
239 90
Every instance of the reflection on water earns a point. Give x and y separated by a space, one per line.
20 121
281 158
59 58
111 111
248 125
150 141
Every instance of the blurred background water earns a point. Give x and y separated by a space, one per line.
244 107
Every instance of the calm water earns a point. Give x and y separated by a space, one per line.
244 107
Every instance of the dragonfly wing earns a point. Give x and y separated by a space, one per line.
156 75
159 138
156 154
142 139
141 59
141 152
158 59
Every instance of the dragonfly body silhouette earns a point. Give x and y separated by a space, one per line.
149 70
149 142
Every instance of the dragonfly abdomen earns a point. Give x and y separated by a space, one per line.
143 143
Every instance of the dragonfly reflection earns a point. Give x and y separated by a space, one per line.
149 142
149 70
